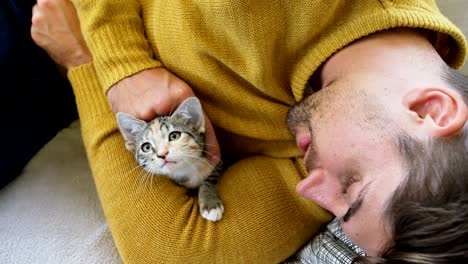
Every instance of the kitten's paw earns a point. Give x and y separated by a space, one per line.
212 211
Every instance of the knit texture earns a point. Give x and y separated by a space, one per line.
247 61
264 222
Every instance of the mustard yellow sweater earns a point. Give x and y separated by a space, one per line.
247 61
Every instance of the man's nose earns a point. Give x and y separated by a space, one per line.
323 189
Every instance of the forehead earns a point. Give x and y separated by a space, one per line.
161 125
153 132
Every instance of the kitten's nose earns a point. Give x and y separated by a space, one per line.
162 154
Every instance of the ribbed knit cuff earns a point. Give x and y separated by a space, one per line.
119 54
453 52
90 100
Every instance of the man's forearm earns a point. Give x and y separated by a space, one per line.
114 32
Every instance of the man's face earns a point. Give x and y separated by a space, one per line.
350 155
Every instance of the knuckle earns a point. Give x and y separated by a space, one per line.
144 113
37 19
45 4
35 36
182 91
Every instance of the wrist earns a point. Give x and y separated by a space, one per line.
157 75
79 58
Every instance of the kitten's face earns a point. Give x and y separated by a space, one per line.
170 145
165 147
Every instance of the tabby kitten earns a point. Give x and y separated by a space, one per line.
173 146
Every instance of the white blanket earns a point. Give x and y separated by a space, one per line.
51 213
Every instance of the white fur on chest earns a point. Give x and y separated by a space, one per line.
192 176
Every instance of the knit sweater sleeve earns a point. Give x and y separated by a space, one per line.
153 220
366 19
114 32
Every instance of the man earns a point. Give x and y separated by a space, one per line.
371 98
385 147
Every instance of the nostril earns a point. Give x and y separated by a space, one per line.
162 154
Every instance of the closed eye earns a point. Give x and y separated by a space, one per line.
356 204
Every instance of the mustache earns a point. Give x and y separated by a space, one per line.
297 116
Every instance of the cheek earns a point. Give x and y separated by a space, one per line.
184 145
365 231
354 231
143 158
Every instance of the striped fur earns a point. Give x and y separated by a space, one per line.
173 146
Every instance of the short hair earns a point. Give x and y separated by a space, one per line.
428 212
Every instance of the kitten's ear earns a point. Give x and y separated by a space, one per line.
191 109
131 128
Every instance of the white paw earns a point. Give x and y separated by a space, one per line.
214 214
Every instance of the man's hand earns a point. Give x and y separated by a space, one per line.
145 95
156 92
148 93
56 29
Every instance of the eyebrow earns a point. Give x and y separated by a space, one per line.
357 203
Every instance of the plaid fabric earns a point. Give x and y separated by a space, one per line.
329 247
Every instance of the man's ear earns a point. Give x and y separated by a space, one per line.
441 110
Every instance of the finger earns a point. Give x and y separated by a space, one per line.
36 24
213 153
46 4
36 16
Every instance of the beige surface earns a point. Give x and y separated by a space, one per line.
51 213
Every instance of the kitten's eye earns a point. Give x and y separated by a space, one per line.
174 135
146 147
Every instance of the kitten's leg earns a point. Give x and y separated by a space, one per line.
211 205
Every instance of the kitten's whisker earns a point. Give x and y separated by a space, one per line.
149 178
130 171
184 148
194 170
148 181
142 180
141 177
197 158
206 144
207 152
139 181
202 151
146 175
151 186
151 175
137 177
